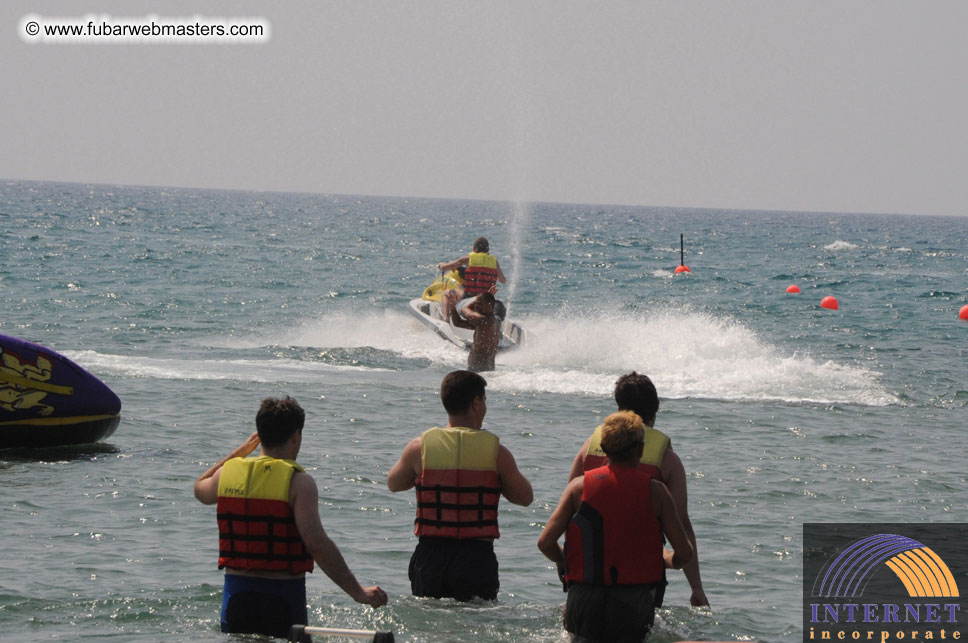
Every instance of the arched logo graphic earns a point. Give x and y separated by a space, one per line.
921 570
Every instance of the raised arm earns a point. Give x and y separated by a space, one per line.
304 498
206 486
514 486
404 473
451 265
674 476
472 316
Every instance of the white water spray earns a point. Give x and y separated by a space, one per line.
520 220
687 353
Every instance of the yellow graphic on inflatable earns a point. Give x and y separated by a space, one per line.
24 385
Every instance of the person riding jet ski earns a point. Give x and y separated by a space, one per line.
481 274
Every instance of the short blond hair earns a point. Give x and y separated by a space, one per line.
620 432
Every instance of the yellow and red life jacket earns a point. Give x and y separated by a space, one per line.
458 487
256 527
614 538
656 443
481 273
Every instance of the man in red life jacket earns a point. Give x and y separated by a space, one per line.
459 471
481 275
269 528
635 392
613 518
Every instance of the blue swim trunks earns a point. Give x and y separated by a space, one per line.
252 605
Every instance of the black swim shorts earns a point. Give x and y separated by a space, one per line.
613 613
449 568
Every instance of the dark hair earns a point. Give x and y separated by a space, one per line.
487 298
481 244
459 389
278 419
634 392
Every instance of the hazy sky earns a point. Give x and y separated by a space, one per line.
816 105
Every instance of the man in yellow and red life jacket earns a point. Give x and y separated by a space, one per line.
459 471
635 392
613 518
269 528
481 275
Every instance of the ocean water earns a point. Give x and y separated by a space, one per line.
193 305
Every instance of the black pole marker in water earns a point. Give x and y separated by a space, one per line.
682 267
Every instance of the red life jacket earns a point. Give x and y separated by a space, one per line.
656 443
481 273
256 528
458 488
614 538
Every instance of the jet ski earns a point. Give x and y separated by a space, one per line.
427 308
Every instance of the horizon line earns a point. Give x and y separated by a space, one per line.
761 210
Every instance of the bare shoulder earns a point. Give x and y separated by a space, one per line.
671 458
302 483
302 480
578 464
412 449
412 452
514 485
672 468
504 456
584 449
206 489
403 474
576 486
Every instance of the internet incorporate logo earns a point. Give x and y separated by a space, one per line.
882 582
922 571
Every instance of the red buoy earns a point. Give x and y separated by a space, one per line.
964 313
829 302
682 268
793 288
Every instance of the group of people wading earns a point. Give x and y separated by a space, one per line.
627 491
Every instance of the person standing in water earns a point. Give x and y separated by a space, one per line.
460 472
481 275
635 392
479 314
614 518
270 533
